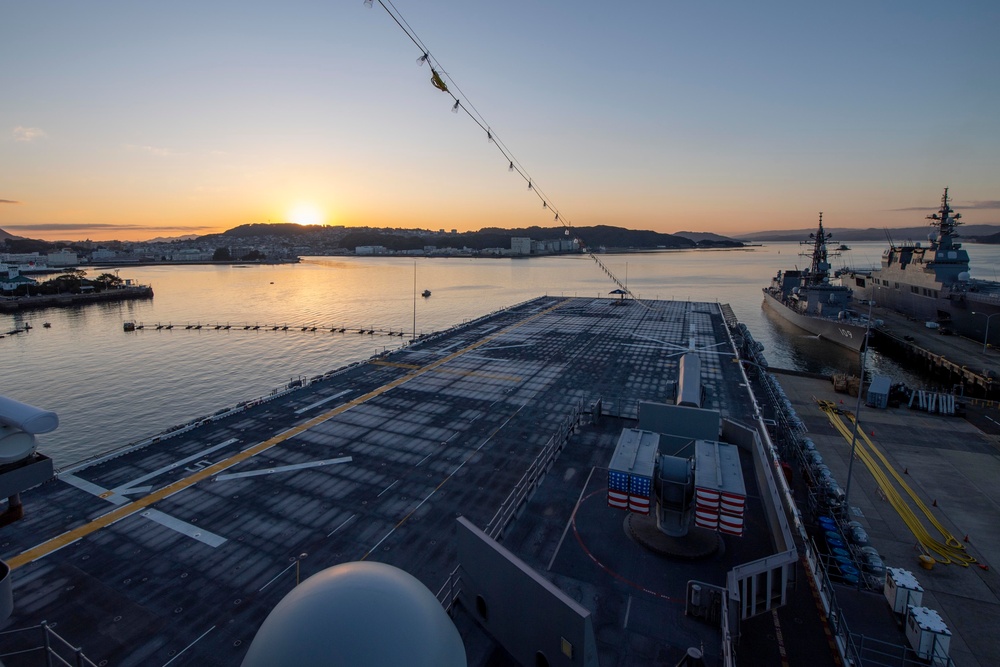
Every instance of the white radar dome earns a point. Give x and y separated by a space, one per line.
359 615
964 276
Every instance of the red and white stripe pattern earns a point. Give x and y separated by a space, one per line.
617 489
706 519
638 504
639 492
722 511
731 524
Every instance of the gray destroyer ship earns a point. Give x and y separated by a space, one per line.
809 300
933 282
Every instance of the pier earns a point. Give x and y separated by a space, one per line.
952 465
13 304
957 360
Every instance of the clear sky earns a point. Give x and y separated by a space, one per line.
133 120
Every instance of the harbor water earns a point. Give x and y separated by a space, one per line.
111 388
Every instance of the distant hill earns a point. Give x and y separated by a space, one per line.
170 239
19 244
700 237
897 234
612 238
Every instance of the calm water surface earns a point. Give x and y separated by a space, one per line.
111 388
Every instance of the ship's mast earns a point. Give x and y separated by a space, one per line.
820 266
946 223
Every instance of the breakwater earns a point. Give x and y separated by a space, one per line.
20 303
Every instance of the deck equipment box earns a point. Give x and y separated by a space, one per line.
901 589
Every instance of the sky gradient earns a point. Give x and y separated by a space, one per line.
137 120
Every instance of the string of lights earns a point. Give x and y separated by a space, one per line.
441 80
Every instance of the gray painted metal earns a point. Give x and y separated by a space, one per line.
679 421
25 474
878 392
526 613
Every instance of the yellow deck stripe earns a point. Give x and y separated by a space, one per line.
396 364
125 511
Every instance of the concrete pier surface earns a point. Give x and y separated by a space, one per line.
956 359
954 467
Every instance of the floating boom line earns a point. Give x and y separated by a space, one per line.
441 80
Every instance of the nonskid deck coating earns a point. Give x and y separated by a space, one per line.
375 462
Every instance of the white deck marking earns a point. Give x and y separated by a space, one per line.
188 646
325 400
184 528
276 577
570 520
91 488
137 489
127 487
288 468
387 488
346 521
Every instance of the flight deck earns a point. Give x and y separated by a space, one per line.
174 551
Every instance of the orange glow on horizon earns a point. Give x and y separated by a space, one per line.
306 214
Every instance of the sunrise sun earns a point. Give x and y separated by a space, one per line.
306 214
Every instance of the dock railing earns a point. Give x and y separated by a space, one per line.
858 648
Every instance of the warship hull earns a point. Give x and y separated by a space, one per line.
961 313
846 334
933 282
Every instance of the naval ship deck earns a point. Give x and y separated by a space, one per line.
174 552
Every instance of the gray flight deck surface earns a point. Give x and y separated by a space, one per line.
208 529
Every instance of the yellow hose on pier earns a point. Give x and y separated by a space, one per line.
949 551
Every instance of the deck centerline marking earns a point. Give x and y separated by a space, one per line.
52 544
129 485
289 468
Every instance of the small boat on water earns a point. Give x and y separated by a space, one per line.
426 293
810 301
128 326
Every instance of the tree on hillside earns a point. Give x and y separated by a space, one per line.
221 255
107 281
68 281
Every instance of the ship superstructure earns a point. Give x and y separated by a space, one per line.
809 299
933 282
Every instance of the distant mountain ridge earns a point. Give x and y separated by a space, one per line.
842 234
333 237
489 237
